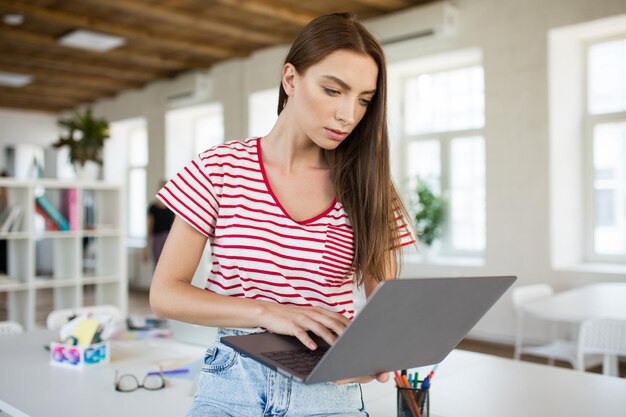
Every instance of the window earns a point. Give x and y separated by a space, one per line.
442 131
126 160
189 131
606 139
137 161
262 107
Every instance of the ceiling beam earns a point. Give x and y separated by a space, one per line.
122 56
54 91
70 65
390 5
14 104
93 82
132 34
176 17
38 98
271 10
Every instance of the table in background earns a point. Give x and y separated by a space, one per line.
470 384
466 384
31 387
603 301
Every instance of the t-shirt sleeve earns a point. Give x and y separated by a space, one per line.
403 235
192 195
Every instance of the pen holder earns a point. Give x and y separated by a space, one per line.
79 357
408 398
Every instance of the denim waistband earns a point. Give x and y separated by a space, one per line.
223 331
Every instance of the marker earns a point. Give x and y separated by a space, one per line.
432 373
415 379
421 395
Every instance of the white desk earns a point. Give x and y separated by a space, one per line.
466 384
604 300
471 384
31 387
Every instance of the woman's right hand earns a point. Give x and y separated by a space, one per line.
296 321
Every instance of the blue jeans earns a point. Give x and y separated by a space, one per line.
233 385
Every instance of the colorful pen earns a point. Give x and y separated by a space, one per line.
170 372
412 402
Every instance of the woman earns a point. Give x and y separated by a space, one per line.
292 218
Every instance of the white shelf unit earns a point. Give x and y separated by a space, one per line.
52 269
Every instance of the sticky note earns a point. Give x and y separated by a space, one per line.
85 330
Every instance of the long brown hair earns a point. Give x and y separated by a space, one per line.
360 165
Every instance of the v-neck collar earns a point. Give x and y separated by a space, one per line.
271 192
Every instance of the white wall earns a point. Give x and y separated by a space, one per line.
26 127
513 38
18 126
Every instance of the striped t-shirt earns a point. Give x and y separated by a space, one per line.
257 250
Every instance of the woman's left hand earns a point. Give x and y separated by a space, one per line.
381 377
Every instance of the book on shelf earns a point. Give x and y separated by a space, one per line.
72 208
10 218
68 205
50 224
89 218
45 204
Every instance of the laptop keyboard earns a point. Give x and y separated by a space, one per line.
301 361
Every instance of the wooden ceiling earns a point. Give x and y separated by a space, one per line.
163 39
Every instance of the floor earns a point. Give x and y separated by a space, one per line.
138 302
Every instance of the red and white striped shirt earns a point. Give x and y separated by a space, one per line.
257 250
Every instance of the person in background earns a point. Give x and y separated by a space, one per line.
293 219
160 219
4 205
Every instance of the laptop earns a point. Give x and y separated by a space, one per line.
405 323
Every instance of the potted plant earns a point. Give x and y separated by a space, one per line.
429 214
85 139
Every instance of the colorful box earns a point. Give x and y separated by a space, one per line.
80 357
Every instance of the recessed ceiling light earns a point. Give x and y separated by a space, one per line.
94 41
13 19
12 79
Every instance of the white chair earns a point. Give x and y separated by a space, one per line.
602 336
57 318
556 349
10 327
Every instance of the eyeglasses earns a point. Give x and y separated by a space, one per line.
152 381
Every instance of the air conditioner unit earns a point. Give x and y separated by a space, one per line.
189 89
427 21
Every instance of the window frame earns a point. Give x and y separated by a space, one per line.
444 138
590 122
135 241
254 131
180 148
